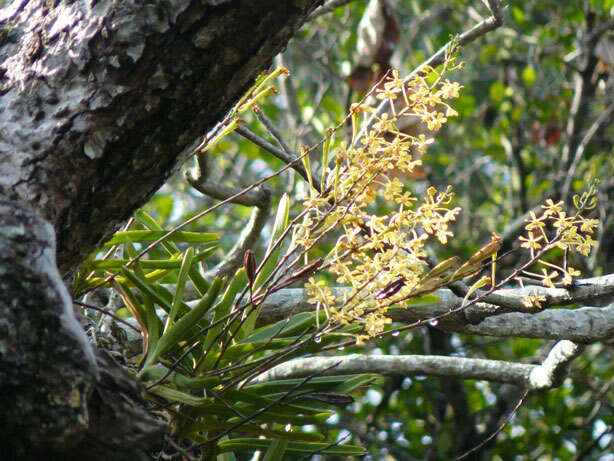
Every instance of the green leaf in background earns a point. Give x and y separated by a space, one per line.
529 76
276 450
181 328
296 448
497 92
152 236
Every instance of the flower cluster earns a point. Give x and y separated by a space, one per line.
555 229
380 255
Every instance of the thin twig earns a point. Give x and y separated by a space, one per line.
290 160
597 124
480 29
499 429
110 314
327 8
272 129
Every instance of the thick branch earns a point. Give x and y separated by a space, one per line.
402 365
554 368
583 325
102 104
259 197
535 377
53 391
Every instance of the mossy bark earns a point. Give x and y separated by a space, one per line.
101 102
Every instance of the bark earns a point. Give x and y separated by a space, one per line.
101 102
103 99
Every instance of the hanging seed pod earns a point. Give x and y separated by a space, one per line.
441 269
249 261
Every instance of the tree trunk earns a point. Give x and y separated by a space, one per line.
101 101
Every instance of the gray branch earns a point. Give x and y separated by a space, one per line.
554 368
258 197
547 375
329 6
582 325
288 158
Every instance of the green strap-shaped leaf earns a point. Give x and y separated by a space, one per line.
251 444
116 264
148 221
296 325
151 318
180 287
147 288
352 383
174 395
180 329
272 416
153 235
276 450
260 401
155 372
271 259
132 303
221 310
281 222
318 383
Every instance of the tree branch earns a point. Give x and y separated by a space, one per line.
289 159
554 368
597 124
259 197
584 325
547 375
329 6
